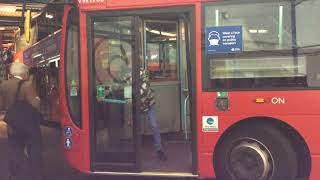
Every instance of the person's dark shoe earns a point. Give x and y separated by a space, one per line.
162 156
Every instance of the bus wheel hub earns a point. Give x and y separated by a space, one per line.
250 160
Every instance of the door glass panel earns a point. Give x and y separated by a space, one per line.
113 51
164 48
161 50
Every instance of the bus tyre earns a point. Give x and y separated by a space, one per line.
255 152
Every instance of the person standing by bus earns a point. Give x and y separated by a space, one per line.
148 108
24 133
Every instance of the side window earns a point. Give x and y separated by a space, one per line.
308 26
278 50
308 39
72 67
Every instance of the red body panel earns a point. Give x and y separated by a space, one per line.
201 157
78 156
132 4
300 109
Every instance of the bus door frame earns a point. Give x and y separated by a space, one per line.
138 15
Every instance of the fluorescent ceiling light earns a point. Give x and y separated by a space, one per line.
154 31
8 9
37 55
262 31
217 17
49 16
163 33
253 31
2 28
168 34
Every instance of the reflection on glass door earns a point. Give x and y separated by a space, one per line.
113 114
161 50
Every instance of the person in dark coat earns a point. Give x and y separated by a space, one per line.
23 145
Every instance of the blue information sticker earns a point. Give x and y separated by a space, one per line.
224 39
68 131
68 143
210 121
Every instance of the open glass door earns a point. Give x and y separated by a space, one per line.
124 138
165 50
115 42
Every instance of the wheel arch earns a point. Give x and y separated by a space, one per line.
301 147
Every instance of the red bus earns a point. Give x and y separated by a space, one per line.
237 87
43 60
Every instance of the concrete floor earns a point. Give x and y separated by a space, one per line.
55 166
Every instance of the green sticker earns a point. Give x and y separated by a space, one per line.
74 91
101 93
222 94
73 83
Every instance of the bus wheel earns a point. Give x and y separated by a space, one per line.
255 152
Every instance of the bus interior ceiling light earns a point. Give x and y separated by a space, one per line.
168 34
161 32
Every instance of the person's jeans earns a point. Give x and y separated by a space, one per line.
153 124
